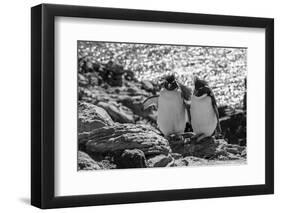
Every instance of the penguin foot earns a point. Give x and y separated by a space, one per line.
188 134
174 137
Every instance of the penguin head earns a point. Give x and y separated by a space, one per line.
170 83
201 87
203 90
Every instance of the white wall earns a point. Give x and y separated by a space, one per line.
15 105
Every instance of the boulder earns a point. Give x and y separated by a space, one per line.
134 89
135 103
207 148
244 153
93 78
234 127
99 94
180 162
129 75
232 150
195 161
131 158
117 113
112 74
231 156
190 161
82 93
160 161
147 122
147 85
106 164
112 139
82 80
92 117
85 162
85 64
176 156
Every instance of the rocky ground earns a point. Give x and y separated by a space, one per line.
115 132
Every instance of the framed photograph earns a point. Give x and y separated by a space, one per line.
140 106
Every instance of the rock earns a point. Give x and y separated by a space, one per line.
231 156
222 111
129 75
82 93
106 164
86 65
112 139
234 127
112 74
242 141
177 146
147 85
222 157
195 161
92 117
99 94
82 80
176 156
134 89
85 162
117 113
205 148
232 150
180 162
131 158
147 122
244 153
191 161
160 161
135 103
93 79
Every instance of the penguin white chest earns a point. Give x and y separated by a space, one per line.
203 117
172 115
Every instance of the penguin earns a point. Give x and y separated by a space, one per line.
203 111
172 106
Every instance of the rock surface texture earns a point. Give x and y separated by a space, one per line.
131 158
111 139
92 117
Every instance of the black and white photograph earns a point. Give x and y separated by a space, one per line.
143 105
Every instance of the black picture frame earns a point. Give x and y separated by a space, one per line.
43 105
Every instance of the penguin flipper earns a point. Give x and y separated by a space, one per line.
185 92
187 107
215 107
151 101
